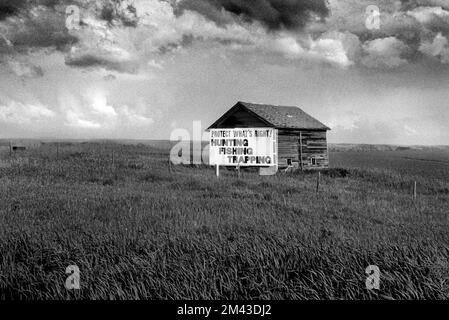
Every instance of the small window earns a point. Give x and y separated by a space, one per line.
313 161
289 162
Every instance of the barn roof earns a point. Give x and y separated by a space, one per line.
282 117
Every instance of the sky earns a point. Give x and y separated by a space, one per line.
140 69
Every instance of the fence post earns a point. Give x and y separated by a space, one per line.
57 150
112 157
318 181
10 148
238 170
169 164
300 151
414 190
217 170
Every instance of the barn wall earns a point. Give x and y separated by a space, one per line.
314 144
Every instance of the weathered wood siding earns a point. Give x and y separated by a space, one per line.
314 145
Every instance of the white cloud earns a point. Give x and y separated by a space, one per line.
99 105
384 53
437 48
330 50
93 111
75 119
24 113
334 48
426 14
154 64
23 69
134 118
286 45
347 120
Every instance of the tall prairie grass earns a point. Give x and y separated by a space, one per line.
138 231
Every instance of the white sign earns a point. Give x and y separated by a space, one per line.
243 146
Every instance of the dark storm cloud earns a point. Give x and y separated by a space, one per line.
39 24
26 25
274 14
34 24
11 7
412 4
15 7
89 60
119 11
45 30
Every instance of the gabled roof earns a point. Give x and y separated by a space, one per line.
280 117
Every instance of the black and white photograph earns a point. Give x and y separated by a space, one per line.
237 151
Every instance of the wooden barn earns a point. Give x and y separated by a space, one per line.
301 139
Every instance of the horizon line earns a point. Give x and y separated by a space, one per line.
49 139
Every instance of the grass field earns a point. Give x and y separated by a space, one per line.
138 231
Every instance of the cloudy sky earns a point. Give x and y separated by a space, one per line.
142 68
